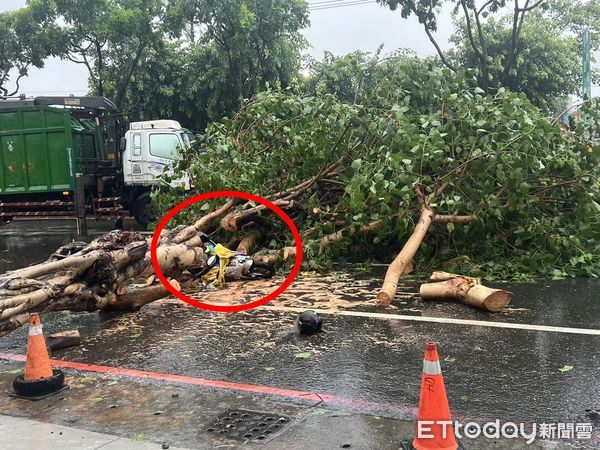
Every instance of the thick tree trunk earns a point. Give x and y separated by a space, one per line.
465 289
135 297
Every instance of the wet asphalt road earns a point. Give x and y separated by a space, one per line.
490 373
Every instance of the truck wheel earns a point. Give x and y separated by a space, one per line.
142 210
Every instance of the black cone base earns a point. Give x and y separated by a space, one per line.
40 396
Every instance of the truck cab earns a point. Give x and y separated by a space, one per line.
149 149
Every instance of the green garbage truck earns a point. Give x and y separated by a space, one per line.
73 156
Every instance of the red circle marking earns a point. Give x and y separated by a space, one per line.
235 194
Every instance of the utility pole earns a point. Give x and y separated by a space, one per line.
587 78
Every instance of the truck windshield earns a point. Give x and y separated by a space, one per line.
188 139
165 145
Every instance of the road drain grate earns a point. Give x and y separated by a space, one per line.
244 425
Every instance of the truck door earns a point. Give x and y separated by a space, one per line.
134 167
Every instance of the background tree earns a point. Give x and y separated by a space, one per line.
474 16
229 50
548 65
258 40
359 77
27 37
110 37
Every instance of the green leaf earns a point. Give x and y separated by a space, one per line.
269 369
356 164
565 368
138 437
450 227
302 355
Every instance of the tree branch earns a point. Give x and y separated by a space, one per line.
434 42
470 32
439 50
21 75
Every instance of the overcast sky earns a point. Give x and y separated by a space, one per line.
339 30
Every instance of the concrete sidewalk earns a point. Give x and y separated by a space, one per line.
24 434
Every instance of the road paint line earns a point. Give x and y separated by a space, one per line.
476 323
310 397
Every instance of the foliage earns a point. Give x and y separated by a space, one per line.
229 51
26 39
531 184
361 77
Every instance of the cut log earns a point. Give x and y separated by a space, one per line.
468 290
64 339
275 257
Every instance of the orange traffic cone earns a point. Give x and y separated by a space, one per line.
37 365
434 426
39 380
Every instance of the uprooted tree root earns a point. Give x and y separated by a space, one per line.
113 271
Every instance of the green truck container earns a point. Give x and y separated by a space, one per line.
42 148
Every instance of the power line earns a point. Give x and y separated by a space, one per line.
324 2
340 5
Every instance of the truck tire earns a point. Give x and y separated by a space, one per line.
142 210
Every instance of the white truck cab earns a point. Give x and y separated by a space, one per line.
149 148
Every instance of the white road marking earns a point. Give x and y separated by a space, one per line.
476 323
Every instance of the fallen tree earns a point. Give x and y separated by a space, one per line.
455 180
459 181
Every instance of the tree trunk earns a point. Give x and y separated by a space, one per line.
249 242
134 298
398 267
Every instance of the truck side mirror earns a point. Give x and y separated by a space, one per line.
123 144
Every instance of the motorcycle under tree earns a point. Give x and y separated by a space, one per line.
226 265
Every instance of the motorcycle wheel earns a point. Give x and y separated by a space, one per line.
261 270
